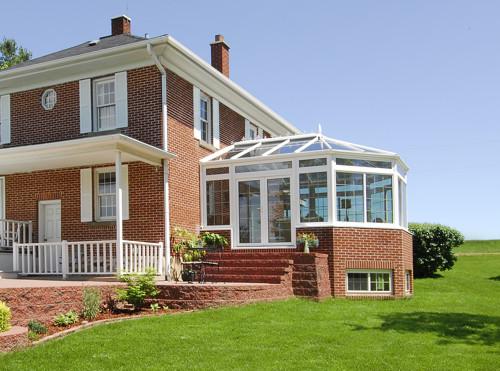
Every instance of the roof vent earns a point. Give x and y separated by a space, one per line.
93 42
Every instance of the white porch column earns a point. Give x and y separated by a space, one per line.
167 219
119 212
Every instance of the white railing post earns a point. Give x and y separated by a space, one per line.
160 259
65 263
30 232
15 253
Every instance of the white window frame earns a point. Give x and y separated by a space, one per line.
408 281
97 213
52 101
368 272
95 107
209 121
252 129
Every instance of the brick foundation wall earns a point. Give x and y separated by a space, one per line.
365 248
146 214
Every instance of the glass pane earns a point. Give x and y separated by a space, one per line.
350 204
259 151
312 162
364 163
249 211
379 198
264 167
106 117
316 146
218 202
402 204
379 282
237 149
292 146
341 147
313 192
357 281
279 212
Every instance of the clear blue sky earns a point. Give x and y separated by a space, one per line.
421 78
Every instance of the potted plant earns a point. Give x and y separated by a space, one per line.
309 240
214 241
182 241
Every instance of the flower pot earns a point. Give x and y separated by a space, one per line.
306 247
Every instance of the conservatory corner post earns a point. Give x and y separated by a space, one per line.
119 212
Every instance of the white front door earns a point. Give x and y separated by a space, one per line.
49 221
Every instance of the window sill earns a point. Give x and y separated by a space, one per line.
208 146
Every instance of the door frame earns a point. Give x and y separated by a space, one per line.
263 177
2 197
41 217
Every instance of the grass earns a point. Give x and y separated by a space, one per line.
487 246
452 323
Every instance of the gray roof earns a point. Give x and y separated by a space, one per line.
104 43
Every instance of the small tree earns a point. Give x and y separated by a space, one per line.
433 248
12 54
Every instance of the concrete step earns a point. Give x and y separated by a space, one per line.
8 275
254 263
244 278
248 271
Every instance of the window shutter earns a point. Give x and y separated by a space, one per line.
85 106
196 113
86 195
5 119
121 97
247 129
124 180
216 123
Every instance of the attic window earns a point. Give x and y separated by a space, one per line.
49 99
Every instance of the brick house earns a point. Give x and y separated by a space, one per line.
105 147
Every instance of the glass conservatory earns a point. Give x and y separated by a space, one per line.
265 189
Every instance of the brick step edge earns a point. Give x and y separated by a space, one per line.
243 278
244 270
253 262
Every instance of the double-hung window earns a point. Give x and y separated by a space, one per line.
105 195
104 104
206 119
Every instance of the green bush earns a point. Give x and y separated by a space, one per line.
433 248
67 319
37 327
5 317
91 303
139 288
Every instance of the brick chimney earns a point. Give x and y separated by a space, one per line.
220 55
120 25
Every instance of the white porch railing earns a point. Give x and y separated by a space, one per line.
87 258
14 231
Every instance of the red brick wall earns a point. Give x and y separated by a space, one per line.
31 124
184 169
365 248
23 191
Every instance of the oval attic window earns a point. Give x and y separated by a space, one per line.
49 99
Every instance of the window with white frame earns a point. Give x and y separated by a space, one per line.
408 281
104 104
206 119
313 193
218 202
403 219
369 281
105 208
253 131
379 198
350 197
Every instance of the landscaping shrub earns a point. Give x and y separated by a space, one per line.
433 248
5 317
139 288
37 327
91 303
67 319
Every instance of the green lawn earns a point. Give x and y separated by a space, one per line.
488 246
452 323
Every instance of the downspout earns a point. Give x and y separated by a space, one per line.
164 119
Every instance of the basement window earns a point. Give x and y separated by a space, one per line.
369 281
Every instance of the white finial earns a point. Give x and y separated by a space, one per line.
320 129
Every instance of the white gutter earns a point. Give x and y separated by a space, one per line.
166 188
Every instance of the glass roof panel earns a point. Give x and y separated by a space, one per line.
265 147
316 146
238 148
341 147
291 147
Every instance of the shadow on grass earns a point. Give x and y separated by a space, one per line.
497 278
449 327
434 275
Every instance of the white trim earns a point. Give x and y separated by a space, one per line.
196 112
45 95
95 107
2 197
124 182
215 123
86 195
